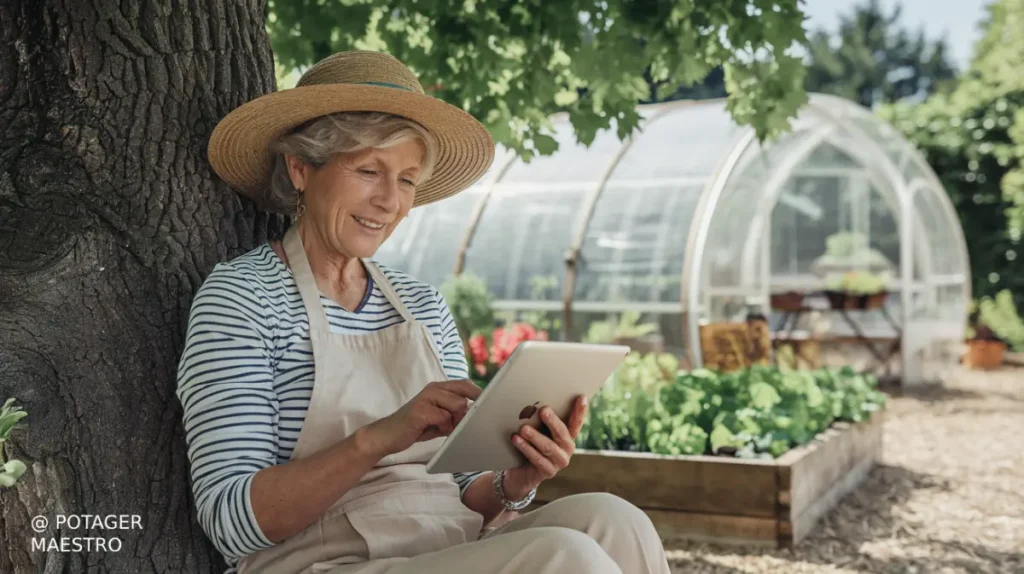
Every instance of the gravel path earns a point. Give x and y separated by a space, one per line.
948 498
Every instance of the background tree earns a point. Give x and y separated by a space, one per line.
973 137
513 64
873 59
110 217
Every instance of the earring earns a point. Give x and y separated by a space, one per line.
300 205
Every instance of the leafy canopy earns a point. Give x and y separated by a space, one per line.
513 63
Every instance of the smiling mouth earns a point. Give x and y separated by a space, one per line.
369 223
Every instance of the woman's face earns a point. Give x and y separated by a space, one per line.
355 201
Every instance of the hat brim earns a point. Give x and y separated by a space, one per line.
239 148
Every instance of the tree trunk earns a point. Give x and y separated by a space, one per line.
110 218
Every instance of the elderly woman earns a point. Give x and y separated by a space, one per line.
316 384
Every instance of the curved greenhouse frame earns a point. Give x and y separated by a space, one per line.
691 220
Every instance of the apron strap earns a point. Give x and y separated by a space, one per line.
305 280
389 291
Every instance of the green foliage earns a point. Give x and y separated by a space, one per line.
874 59
849 250
973 137
627 326
513 64
470 303
857 283
618 415
1000 315
758 412
11 470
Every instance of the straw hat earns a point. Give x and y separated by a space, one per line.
356 81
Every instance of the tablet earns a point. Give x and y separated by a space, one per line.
538 373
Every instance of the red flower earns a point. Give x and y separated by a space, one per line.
478 349
503 342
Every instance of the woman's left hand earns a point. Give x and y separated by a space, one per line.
545 456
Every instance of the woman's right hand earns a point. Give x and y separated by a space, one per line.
433 413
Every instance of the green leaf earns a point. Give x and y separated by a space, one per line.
723 437
9 420
764 396
12 471
778 447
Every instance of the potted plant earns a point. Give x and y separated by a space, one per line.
994 327
787 301
858 289
850 251
626 330
985 350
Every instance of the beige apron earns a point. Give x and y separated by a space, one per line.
397 510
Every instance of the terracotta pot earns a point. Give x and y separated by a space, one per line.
843 300
984 354
875 301
788 301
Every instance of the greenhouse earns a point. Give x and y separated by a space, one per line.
692 222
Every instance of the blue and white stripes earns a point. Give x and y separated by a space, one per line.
246 375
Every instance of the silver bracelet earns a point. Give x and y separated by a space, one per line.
499 489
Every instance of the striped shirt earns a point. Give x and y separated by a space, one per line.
246 376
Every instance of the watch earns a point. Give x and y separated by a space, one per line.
499 489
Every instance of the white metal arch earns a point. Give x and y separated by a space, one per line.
937 188
774 186
873 159
697 242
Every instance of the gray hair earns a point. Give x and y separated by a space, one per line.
317 141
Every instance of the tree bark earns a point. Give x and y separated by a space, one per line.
110 217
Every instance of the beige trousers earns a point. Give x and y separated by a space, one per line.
595 533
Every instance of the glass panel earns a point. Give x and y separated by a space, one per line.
810 209
688 141
548 321
952 303
883 229
943 255
816 204
877 131
635 243
521 240
572 163
829 156
946 244
733 253
727 308
426 244
667 335
914 168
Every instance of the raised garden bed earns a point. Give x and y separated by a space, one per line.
773 502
